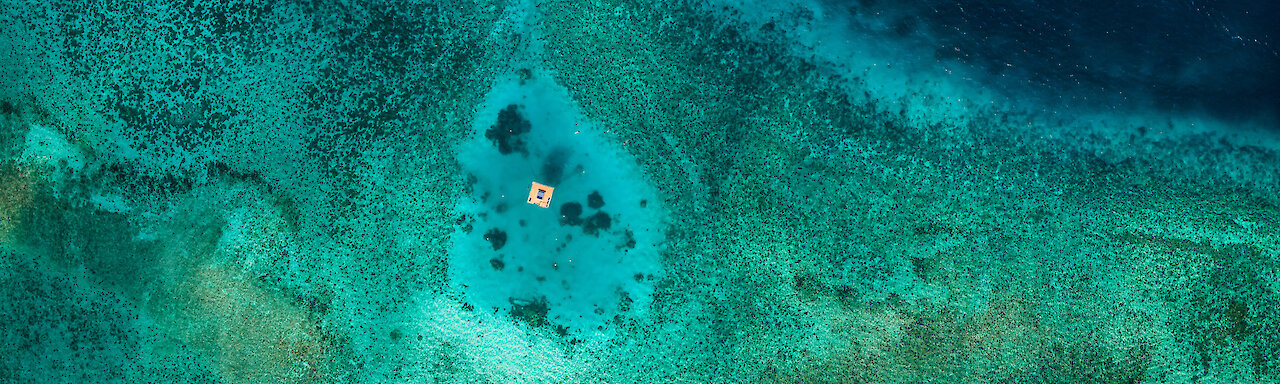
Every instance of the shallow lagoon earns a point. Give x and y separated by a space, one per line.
764 192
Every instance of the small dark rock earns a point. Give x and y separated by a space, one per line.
497 264
630 240
624 303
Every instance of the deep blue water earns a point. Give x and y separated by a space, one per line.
1221 56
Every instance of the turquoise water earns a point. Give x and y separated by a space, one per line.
743 192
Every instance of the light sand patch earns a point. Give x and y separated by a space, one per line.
212 301
16 192
254 335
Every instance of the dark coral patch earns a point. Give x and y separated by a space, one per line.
570 213
506 133
553 167
496 237
497 264
532 312
596 223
